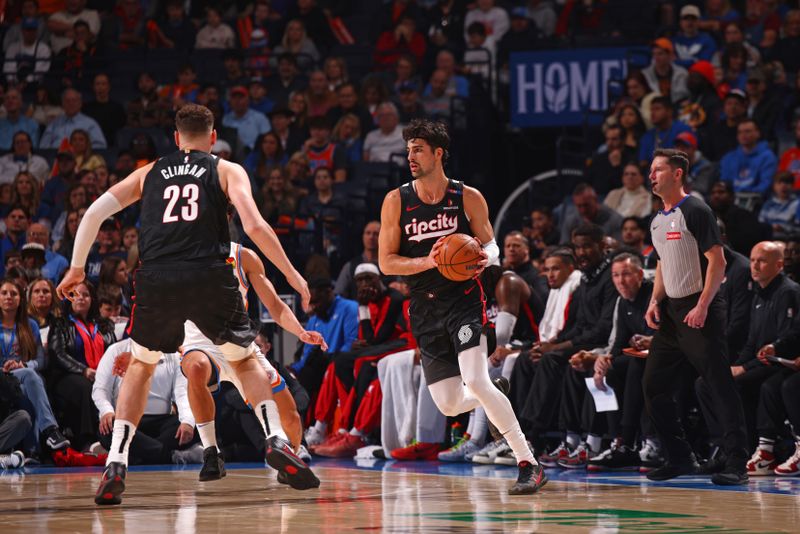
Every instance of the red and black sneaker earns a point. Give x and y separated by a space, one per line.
281 457
531 477
112 484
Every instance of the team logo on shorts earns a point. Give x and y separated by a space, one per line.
464 334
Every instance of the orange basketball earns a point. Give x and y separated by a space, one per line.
458 257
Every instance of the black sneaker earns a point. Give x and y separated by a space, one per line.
112 484
283 478
731 476
281 457
213 465
715 464
504 386
671 470
54 439
531 477
619 457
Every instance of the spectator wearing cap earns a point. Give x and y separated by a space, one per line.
61 23
54 264
781 209
605 168
701 172
16 121
108 113
720 137
762 107
494 18
248 122
29 9
790 159
387 140
281 121
664 76
521 36
664 131
22 159
690 43
347 96
259 99
336 318
108 244
33 259
703 106
409 104
215 33
27 60
787 49
751 166
72 119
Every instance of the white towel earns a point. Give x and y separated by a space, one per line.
554 317
399 405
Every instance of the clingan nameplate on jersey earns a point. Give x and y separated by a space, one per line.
439 226
183 170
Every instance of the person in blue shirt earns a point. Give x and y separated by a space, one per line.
336 318
17 222
664 131
54 264
780 211
15 121
752 165
691 44
248 122
62 127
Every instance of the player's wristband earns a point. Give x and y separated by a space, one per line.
492 251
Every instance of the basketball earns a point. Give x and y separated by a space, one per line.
458 257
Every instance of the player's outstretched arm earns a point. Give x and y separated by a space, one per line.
240 193
389 259
254 270
120 196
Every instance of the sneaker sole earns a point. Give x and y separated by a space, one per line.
505 461
483 460
212 476
299 476
110 492
597 468
531 491
572 466
792 474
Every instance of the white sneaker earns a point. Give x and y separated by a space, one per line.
314 437
15 460
96 449
463 451
507 457
487 454
791 467
303 454
192 455
651 456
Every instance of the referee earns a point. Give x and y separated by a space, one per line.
690 320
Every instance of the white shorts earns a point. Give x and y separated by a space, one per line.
222 370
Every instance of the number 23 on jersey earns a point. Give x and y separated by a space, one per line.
189 210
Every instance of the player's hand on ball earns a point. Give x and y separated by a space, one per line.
184 434
72 278
430 260
314 338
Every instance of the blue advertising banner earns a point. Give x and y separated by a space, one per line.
555 88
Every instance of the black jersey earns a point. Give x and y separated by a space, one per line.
422 224
532 310
184 211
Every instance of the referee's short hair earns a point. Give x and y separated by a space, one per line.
635 260
592 231
676 159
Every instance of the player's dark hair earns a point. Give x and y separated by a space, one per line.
592 231
677 159
635 260
565 254
432 132
193 119
639 222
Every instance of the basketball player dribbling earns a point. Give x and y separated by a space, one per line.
447 318
184 245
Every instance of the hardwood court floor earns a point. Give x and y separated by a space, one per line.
390 497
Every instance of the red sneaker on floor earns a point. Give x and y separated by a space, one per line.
418 451
345 447
329 442
68 457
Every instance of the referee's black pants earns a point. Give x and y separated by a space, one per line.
675 344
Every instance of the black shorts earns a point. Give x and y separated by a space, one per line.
164 298
446 324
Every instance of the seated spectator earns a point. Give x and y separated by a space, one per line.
634 232
62 127
638 94
781 209
733 33
27 61
23 357
174 31
15 121
606 166
184 89
287 81
28 9
131 24
289 137
542 232
381 144
215 33
703 106
402 39
60 24
15 423
108 244
734 67
280 198
493 17
17 222
347 95
249 123
108 113
347 136
259 100
54 264
43 305
299 172
21 160
701 171
481 53
74 199
64 245
373 94
258 31
691 44
88 179
751 167
114 281
436 101
721 137
632 199
763 106
345 282
319 98
454 85
147 110
76 344
664 76
296 41
322 152
335 69
44 109
630 119
298 106
78 62
665 129
267 156
409 103
742 226
162 437
717 15
589 210
404 73
81 147
328 208
787 48
522 35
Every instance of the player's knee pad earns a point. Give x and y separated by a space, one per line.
144 354
235 353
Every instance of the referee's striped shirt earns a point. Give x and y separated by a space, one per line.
681 236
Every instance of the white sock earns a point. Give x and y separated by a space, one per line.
356 432
321 426
504 327
573 439
121 441
270 419
594 442
208 434
516 440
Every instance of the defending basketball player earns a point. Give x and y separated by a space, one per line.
447 318
184 244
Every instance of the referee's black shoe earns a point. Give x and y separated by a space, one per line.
731 476
671 470
112 484
213 465
531 477
504 386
